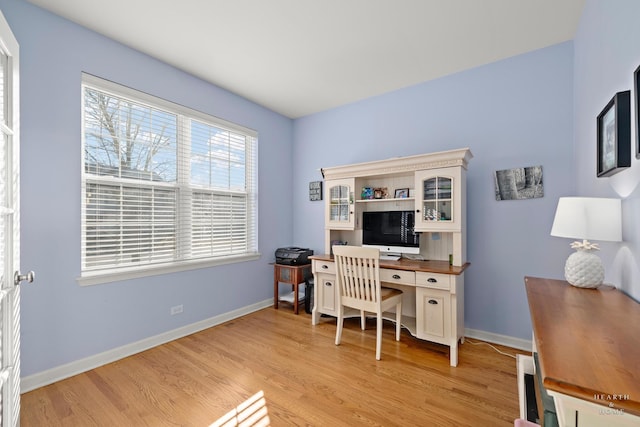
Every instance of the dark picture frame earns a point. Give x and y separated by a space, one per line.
636 99
401 193
614 135
380 193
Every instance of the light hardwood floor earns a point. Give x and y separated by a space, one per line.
306 380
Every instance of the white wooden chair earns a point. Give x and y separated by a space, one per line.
358 279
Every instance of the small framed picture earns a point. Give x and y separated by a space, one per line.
401 193
614 135
380 193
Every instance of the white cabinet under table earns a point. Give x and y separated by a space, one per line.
433 297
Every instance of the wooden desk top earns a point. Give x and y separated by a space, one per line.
441 267
588 342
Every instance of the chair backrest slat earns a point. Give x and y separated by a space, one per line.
358 272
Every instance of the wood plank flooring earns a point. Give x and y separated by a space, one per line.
305 379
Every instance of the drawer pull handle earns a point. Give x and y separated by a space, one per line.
325 266
432 280
432 301
396 276
328 284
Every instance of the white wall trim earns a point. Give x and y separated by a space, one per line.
518 343
58 373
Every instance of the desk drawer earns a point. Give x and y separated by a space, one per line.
397 276
433 280
324 267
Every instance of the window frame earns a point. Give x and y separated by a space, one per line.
184 115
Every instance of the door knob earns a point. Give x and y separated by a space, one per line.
17 277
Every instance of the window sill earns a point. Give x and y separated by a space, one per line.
96 278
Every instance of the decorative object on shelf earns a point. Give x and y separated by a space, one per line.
636 99
380 193
367 193
432 215
614 135
587 218
519 183
315 190
401 193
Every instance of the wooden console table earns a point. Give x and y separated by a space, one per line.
588 344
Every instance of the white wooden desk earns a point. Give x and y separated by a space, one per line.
433 297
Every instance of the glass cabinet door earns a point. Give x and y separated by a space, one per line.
437 199
340 204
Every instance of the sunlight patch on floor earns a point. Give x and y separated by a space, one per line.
250 413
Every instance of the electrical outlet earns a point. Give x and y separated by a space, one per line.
176 309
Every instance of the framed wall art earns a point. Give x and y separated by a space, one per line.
315 190
614 135
519 183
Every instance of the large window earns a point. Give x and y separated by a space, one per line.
164 188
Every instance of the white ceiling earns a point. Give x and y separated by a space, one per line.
299 57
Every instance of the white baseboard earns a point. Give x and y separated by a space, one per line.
79 366
58 373
518 343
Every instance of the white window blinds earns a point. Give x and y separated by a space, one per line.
162 184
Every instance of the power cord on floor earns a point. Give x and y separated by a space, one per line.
466 340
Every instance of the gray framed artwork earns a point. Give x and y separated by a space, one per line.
519 183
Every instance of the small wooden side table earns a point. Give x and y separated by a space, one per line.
292 275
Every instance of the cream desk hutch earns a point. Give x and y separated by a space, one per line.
434 187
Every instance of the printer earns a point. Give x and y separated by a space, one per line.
293 256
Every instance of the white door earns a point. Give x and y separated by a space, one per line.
9 230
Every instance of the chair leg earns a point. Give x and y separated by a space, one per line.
339 323
398 320
378 335
363 320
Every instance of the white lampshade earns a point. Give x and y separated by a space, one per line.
587 218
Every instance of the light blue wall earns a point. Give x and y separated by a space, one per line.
533 109
61 321
513 113
607 53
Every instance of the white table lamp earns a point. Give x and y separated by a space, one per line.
587 218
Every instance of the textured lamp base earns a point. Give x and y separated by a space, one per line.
584 269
